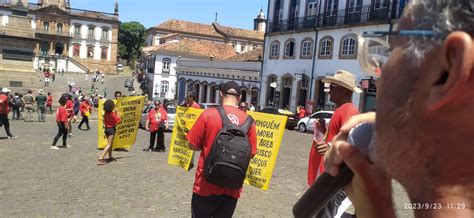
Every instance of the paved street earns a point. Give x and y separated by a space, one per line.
37 181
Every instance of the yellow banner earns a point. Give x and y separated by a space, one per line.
270 129
180 155
130 111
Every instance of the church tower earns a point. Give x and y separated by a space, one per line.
259 23
63 4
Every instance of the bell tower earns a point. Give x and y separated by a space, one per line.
63 4
259 23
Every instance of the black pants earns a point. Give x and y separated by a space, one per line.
330 210
16 113
160 139
6 124
86 121
62 131
213 206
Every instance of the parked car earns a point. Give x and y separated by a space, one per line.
208 105
290 122
307 123
171 116
120 67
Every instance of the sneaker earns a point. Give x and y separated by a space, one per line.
54 147
67 146
70 135
12 137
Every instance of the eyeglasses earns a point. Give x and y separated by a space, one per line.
374 51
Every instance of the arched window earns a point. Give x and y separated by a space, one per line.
348 48
59 27
325 47
90 51
307 48
46 26
275 49
103 53
290 48
76 50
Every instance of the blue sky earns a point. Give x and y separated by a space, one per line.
235 13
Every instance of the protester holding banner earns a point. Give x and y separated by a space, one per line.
157 123
62 121
111 119
86 110
210 200
191 100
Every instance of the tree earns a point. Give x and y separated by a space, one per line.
131 39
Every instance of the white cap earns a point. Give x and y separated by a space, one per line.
5 90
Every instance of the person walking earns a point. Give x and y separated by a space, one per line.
49 103
111 119
70 110
16 104
86 110
4 110
41 105
76 107
62 123
209 199
157 123
29 101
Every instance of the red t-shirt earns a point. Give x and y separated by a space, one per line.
84 107
111 119
69 108
340 116
156 117
202 135
4 104
301 113
195 105
49 102
61 115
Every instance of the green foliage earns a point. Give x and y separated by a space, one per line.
131 39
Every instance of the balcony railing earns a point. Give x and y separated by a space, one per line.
358 15
53 33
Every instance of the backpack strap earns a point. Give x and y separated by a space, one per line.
224 118
248 124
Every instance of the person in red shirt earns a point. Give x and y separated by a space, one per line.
86 109
301 113
49 103
62 122
191 100
111 119
210 200
157 123
70 109
4 110
341 89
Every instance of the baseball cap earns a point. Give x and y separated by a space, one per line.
231 88
5 90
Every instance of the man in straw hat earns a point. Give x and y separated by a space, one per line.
342 86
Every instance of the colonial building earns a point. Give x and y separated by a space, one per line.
206 76
177 40
310 39
71 39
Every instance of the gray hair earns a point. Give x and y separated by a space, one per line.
440 16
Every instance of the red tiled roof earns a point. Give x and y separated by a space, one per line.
190 27
254 55
236 32
195 48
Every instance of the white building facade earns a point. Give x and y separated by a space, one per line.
307 40
177 40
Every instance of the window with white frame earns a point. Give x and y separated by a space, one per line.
274 49
348 46
378 4
164 88
59 27
46 26
312 8
166 65
325 47
77 30
105 34
91 32
306 48
331 8
290 48
354 6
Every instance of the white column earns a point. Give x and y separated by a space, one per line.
208 97
200 93
218 96
294 87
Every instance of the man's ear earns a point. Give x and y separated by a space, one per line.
457 59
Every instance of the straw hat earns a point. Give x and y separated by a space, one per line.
343 78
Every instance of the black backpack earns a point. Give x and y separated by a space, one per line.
228 160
